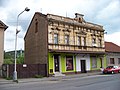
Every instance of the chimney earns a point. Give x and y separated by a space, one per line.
79 17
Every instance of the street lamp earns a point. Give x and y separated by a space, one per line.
17 31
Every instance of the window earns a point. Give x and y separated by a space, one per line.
36 27
79 40
55 38
66 39
112 61
94 62
93 41
69 63
84 41
100 43
118 60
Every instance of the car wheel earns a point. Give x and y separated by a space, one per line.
112 72
119 71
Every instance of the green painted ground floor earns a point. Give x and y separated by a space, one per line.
75 63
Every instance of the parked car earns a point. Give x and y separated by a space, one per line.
111 69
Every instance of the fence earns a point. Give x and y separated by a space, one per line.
24 70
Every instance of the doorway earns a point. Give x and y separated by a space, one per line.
56 63
83 66
101 61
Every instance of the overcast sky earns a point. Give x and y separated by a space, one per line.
103 12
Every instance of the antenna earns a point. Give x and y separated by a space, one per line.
41 10
66 13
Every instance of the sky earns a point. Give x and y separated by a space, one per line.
102 12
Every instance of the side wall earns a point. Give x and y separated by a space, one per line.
115 56
36 41
1 46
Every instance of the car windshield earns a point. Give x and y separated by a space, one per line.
115 66
109 67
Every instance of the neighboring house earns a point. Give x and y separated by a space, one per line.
66 45
3 27
112 53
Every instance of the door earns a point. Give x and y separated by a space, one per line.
83 66
101 66
56 63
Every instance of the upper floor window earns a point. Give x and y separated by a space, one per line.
36 27
93 41
79 40
112 61
84 41
66 39
100 43
55 38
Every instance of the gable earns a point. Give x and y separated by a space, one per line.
2 25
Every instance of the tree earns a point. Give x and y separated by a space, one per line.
9 57
20 59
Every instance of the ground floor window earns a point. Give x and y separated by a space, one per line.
118 60
112 61
69 63
94 62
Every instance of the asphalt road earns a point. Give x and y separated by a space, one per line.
96 82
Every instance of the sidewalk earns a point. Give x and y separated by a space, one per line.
67 77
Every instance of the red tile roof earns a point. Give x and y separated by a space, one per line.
111 47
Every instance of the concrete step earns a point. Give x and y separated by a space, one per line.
58 74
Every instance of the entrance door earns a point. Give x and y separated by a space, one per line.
56 63
101 63
83 66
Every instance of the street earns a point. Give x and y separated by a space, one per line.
95 82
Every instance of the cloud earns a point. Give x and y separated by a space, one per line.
114 37
109 16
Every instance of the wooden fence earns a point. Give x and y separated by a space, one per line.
24 70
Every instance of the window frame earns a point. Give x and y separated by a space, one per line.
69 63
79 40
55 38
94 62
66 39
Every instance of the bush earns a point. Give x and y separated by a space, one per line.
38 76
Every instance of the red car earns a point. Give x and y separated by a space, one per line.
112 69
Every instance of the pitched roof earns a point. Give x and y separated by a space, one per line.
111 47
2 25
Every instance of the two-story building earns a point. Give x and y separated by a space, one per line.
66 45
3 27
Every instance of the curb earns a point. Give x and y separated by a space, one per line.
57 78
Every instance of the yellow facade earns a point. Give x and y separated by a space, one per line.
82 35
